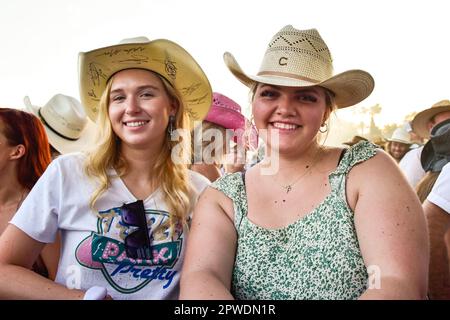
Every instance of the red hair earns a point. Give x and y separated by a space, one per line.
24 128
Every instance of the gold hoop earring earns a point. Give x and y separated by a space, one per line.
323 130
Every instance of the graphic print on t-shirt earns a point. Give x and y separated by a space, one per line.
105 251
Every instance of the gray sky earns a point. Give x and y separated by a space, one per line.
403 44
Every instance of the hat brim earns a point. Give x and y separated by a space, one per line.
400 141
61 144
349 87
430 160
420 121
162 56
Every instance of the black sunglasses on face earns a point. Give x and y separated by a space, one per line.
137 243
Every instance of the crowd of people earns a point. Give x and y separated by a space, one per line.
153 186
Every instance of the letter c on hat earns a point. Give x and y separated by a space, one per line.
281 61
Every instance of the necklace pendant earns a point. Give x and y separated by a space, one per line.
288 188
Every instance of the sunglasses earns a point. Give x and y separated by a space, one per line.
137 243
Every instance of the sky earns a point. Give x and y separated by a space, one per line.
404 44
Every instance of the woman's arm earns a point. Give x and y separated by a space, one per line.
50 256
391 230
18 252
211 249
438 224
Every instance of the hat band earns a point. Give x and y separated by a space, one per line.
54 130
286 75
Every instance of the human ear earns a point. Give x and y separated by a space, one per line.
17 152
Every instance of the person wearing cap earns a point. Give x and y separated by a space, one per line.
66 123
214 146
422 124
123 208
24 156
399 143
325 220
434 191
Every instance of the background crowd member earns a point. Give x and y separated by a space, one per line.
355 140
68 127
211 146
314 228
422 124
399 143
24 156
434 191
122 209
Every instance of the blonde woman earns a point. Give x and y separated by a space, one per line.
324 223
123 208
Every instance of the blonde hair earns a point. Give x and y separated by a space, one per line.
425 185
173 177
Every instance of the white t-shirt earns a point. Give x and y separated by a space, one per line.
440 194
412 167
93 252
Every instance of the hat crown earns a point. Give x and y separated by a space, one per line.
401 135
222 101
436 152
65 115
440 138
442 103
134 40
298 53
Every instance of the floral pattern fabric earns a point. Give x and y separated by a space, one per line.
316 257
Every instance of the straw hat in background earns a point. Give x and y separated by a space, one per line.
401 135
421 120
66 123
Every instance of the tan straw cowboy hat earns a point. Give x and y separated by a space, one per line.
420 121
67 126
162 56
300 58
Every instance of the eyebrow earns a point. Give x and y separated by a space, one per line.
137 89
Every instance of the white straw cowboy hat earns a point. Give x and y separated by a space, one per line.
162 56
66 123
300 58
420 121
401 135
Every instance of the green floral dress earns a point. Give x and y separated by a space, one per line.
316 257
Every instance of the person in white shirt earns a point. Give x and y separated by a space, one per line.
422 124
123 208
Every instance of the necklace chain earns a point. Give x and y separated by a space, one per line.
288 187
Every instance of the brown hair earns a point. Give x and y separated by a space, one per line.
24 128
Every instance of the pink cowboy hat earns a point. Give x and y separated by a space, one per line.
227 113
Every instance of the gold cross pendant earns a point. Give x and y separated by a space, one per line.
288 188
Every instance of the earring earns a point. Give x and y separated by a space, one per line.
323 130
171 126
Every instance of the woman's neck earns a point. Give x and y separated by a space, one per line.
288 165
11 192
